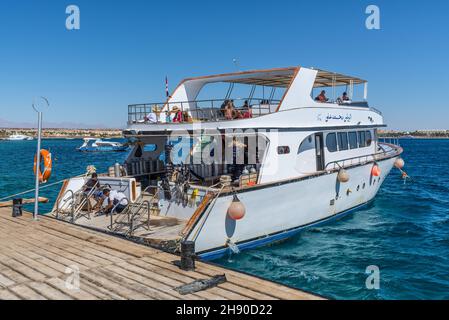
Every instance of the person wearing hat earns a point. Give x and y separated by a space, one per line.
177 114
153 116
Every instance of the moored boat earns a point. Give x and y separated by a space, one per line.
98 145
230 174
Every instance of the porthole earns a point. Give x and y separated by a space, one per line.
358 187
364 185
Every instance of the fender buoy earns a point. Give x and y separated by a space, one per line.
46 158
343 176
375 171
236 210
399 163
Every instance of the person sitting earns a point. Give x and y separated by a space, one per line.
153 116
344 98
229 110
116 199
177 114
223 107
247 110
92 187
322 97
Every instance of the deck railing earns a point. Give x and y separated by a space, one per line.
387 150
199 110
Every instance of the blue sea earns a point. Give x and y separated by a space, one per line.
404 233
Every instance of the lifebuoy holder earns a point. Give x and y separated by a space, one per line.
46 173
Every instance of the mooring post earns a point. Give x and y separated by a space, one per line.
38 164
16 207
188 255
38 110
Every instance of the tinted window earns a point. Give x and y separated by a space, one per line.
150 147
342 141
369 138
353 140
362 141
306 144
283 150
331 142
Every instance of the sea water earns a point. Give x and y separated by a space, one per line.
404 233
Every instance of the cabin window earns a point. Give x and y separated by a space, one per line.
362 139
331 142
306 144
342 141
369 138
283 150
150 148
352 140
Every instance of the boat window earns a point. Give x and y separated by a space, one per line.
369 138
283 150
306 144
352 139
342 141
362 139
331 142
150 148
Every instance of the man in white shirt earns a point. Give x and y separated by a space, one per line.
116 199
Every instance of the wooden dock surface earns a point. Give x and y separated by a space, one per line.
39 260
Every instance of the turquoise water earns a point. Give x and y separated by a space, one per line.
405 232
16 167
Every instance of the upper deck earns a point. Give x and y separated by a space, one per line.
268 92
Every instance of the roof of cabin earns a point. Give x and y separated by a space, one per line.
279 77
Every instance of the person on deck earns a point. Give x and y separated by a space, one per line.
322 97
177 114
92 186
116 199
247 110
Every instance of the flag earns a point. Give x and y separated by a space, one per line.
166 87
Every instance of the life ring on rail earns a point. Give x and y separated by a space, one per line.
46 157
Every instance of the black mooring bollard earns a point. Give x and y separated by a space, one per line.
188 255
17 208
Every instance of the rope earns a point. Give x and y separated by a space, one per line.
43 187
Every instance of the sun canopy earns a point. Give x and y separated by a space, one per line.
281 77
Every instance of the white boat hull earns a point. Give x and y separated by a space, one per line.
277 211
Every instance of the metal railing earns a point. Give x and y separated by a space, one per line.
199 110
59 209
348 162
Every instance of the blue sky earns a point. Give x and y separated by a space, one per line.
124 50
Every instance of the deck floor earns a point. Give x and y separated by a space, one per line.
35 257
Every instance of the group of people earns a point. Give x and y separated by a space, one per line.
322 97
115 199
229 111
174 115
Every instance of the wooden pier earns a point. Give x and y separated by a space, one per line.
39 260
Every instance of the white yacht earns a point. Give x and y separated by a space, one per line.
19 137
230 174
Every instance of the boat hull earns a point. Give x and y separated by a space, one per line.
279 211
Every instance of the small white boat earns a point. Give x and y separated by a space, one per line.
98 145
19 137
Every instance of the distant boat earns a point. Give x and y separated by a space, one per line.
19 137
98 145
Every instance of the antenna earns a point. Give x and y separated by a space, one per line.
236 63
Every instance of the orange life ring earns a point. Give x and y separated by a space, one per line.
46 157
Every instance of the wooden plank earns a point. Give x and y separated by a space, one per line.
5 294
140 267
26 293
48 291
80 294
35 257
136 279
